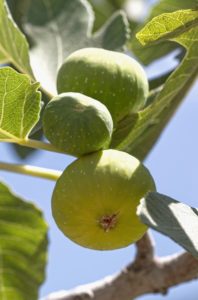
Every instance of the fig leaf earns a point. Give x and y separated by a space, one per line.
23 247
150 53
180 26
172 218
19 105
16 53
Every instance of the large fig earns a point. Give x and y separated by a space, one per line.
77 124
95 200
113 78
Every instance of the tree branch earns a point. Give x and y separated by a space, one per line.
145 251
147 274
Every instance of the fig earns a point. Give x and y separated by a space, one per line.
95 199
113 78
77 124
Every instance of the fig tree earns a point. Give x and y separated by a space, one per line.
95 200
113 78
77 124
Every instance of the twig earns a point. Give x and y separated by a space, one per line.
145 250
147 274
31 170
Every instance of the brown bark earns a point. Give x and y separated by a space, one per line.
147 274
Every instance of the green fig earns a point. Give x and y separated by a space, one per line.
77 124
115 79
95 200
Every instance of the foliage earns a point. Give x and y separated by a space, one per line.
179 220
23 244
14 52
34 47
150 53
138 133
17 91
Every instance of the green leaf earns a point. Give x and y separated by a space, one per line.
13 44
144 132
158 81
18 9
113 35
3 59
169 26
150 53
19 105
172 218
58 28
102 10
23 245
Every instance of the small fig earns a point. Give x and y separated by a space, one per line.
77 124
95 200
113 78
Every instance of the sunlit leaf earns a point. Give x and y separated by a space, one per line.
13 44
150 53
19 105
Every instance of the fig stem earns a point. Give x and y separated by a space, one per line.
31 170
35 144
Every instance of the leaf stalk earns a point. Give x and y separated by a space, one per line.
35 144
31 170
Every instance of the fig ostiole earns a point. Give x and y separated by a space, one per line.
77 124
95 200
115 79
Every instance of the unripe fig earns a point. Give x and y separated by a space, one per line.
95 200
113 78
77 124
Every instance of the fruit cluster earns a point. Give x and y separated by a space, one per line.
95 199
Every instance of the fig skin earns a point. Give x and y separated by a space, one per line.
77 124
113 78
95 200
